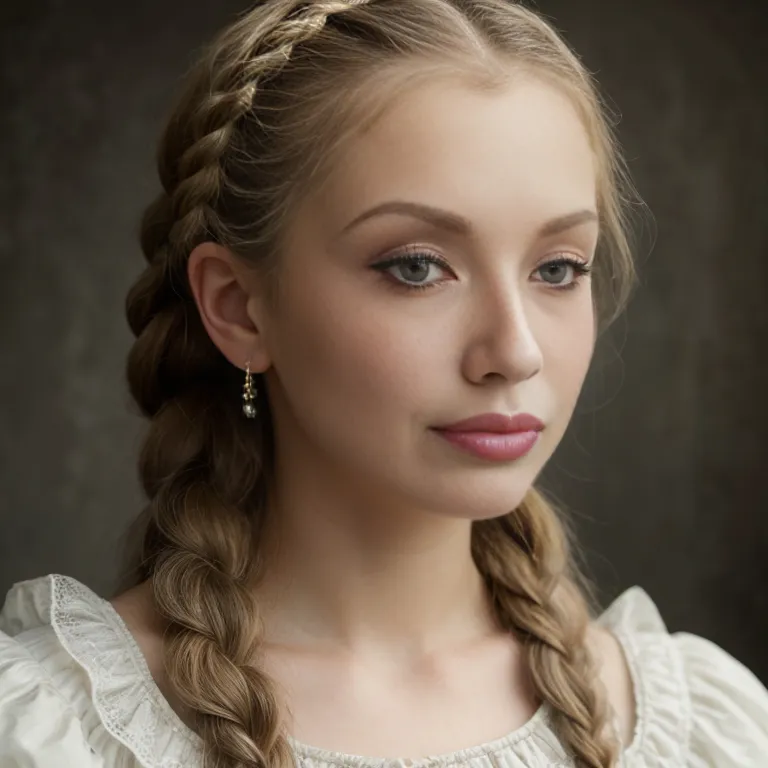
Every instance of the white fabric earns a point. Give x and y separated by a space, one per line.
76 692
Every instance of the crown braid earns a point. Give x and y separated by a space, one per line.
233 86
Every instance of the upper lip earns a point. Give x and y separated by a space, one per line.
496 422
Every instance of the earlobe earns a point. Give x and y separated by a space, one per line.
225 300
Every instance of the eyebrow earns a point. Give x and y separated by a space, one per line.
452 222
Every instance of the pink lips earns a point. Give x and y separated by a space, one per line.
494 436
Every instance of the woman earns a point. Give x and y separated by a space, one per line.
389 235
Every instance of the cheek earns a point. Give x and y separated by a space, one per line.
568 353
340 358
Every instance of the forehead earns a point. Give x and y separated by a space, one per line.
520 148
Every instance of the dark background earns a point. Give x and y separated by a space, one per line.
664 467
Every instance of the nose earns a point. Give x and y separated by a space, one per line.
502 341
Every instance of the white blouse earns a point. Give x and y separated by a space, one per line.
76 692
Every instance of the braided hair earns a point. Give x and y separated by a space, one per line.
263 112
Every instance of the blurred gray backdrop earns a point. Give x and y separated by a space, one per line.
664 467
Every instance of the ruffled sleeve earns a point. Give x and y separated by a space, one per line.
729 707
662 716
38 726
696 705
75 690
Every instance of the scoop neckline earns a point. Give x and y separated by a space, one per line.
540 717
445 759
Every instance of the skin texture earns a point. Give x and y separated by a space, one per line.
373 608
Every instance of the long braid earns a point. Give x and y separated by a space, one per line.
525 559
198 546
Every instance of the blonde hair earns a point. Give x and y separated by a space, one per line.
264 112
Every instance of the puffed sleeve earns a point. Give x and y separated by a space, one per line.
38 727
729 707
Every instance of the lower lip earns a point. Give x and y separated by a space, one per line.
491 445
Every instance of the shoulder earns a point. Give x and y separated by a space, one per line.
74 688
679 698
134 607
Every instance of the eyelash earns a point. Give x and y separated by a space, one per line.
422 257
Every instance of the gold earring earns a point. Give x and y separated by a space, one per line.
249 393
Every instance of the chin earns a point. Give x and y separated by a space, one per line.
483 497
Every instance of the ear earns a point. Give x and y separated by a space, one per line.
226 292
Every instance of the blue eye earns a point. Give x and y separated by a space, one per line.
561 265
419 263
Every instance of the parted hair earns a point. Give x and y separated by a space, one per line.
263 113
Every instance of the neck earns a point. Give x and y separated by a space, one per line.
356 573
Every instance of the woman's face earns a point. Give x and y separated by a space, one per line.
368 355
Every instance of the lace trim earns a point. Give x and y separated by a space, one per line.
127 700
85 639
133 710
